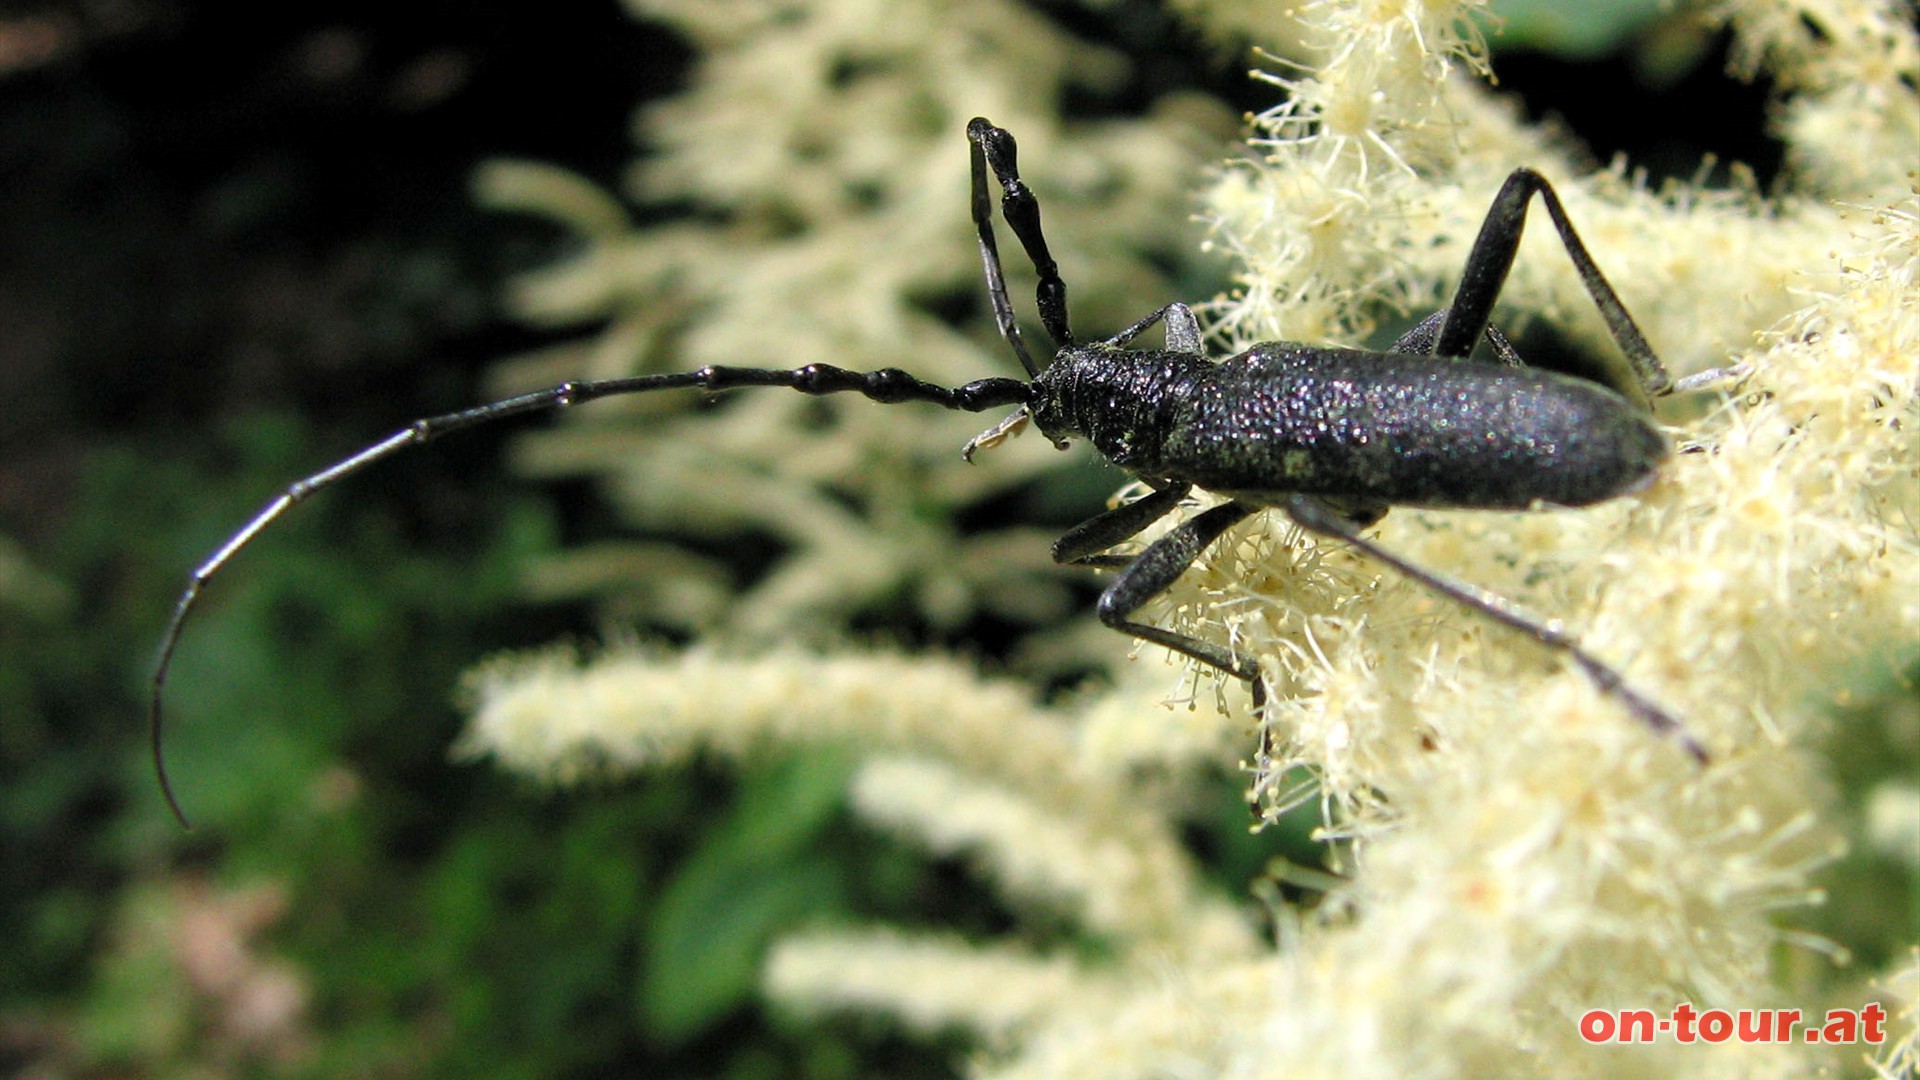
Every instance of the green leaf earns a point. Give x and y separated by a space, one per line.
754 876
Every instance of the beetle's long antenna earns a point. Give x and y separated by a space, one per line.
888 385
994 147
990 253
154 723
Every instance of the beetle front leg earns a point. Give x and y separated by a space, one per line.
1151 572
1083 543
1148 574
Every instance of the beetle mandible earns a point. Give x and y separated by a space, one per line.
1332 437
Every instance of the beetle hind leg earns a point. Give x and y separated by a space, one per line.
1321 519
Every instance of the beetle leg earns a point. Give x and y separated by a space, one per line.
1148 574
1159 566
1420 340
1316 517
1486 273
1183 330
1086 540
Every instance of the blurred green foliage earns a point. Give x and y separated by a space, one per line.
215 282
433 917
1872 893
1575 30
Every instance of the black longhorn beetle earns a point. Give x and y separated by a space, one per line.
1332 436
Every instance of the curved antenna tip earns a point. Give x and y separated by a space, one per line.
160 763
155 720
